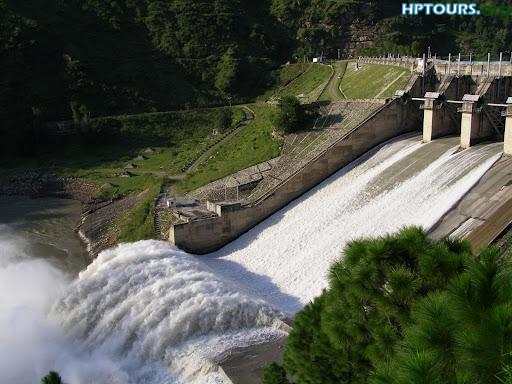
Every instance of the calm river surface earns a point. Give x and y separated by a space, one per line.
46 226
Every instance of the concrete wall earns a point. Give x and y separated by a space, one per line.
507 147
204 236
438 119
479 120
471 128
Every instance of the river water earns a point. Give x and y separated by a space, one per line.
149 313
46 226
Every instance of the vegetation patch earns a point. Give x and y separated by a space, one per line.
332 92
373 81
125 154
139 222
254 144
283 76
290 116
308 86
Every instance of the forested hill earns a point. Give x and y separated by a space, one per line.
118 56
124 56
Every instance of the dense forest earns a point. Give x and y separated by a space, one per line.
65 58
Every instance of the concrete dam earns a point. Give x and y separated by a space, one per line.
439 101
177 315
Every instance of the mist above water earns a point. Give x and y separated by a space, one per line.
31 343
148 301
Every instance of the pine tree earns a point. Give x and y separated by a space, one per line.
462 334
52 378
274 374
360 319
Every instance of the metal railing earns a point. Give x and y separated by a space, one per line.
458 65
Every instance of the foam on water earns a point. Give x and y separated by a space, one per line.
150 302
31 343
147 312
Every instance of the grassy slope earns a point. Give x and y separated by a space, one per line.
283 76
332 92
139 222
369 81
307 83
253 145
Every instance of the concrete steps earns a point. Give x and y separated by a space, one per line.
337 120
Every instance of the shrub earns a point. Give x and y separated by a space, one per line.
138 223
290 116
224 120
227 72
102 131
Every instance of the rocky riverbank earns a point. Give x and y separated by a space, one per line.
40 183
96 226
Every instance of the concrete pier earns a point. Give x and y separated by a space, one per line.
470 122
436 117
507 148
432 122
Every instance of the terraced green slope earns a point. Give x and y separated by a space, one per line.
252 145
309 85
282 77
372 81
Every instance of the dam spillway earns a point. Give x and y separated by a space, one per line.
285 259
146 312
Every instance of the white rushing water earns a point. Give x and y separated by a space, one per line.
286 258
149 313
30 342
140 313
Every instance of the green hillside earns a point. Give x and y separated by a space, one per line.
309 85
332 92
283 76
124 153
252 145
